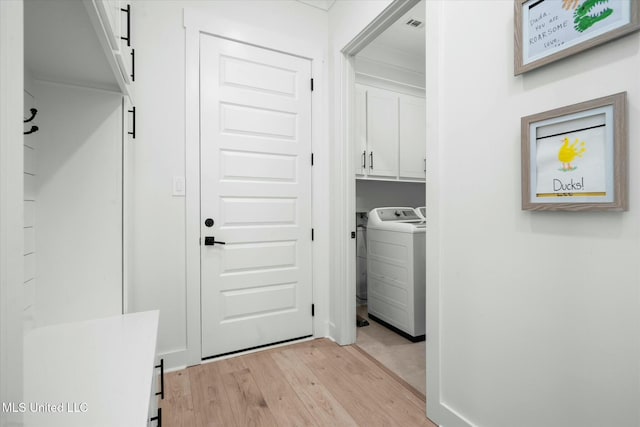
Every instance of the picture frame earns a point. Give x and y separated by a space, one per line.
574 158
548 30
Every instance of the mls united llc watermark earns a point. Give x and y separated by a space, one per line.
45 407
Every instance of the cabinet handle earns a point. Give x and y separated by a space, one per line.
161 366
425 164
133 122
128 38
133 65
364 159
158 418
371 160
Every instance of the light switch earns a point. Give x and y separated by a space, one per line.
178 185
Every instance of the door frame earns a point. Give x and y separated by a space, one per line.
345 210
196 23
11 205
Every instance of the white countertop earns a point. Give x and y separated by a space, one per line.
98 372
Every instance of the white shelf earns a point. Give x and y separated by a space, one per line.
103 366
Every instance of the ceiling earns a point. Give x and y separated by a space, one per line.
320 4
401 37
61 45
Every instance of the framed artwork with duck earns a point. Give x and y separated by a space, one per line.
574 158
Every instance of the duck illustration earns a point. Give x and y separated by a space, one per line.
569 151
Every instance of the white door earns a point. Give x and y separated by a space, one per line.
382 133
255 160
412 137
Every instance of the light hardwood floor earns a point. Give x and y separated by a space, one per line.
314 383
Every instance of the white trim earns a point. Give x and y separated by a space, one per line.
195 23
192 196
388 84
11 205
437 409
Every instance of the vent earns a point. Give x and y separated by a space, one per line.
414 23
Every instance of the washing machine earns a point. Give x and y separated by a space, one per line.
396 270
422 212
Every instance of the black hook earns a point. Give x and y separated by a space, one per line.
33 130
33 115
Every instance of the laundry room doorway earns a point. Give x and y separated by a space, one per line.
388 169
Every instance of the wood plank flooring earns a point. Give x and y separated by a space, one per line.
314 383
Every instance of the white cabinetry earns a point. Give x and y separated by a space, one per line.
112 22
92 373
110 12
389 135
412 136
382 133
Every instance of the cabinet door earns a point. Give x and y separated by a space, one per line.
109 11
125 53
412 137
360 144
382 133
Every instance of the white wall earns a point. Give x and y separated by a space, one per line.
79 204
373 194
11 207
539 312
157 251
30 171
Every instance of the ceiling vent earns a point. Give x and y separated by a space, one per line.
414 23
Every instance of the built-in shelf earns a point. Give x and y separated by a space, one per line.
98 372
65 42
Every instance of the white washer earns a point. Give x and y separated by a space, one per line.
422 212
396 270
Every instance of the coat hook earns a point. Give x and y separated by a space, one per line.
33 115
33 130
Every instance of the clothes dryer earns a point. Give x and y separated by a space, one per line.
396 270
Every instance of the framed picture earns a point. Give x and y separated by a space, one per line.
548 30
574 157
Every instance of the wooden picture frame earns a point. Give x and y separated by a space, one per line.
574 158
549 30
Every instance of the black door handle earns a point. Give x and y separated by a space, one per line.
211 240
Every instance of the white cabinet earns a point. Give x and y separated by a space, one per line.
116 20
92 373
382 133
110 12
389 135
112 21
360 143
413 156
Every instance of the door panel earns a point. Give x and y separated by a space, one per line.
382 133
412 137
256 186
360 146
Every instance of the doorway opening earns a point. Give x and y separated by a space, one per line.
388 164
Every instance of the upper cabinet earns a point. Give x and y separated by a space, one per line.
412 131
116 20
84 43
390 135
112 22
